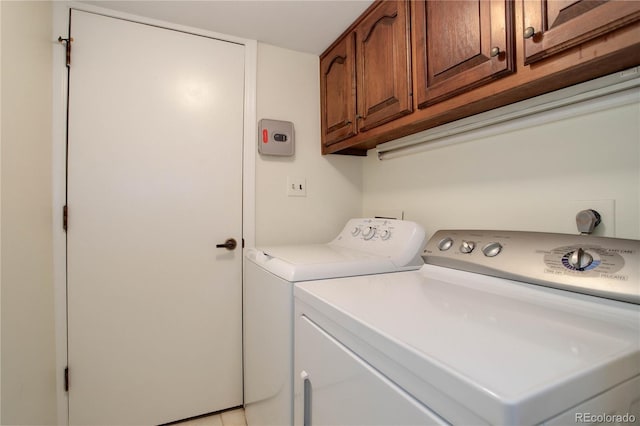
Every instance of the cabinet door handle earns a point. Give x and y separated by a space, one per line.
495 52
529 32
306 397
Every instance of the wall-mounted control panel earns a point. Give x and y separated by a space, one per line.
276 137
600 266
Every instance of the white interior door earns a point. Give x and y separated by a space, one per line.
154 183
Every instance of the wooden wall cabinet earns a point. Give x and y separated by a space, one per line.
553 26
408 66
460 45
338 91
384 65
365 77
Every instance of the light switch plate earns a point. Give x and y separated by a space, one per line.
296 186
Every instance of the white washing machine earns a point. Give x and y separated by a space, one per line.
365 246
506 328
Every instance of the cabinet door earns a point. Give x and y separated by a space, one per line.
461 45
338 92
552 26
384 64
334 386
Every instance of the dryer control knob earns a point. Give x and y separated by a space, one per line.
492 249
355 231
445 244
467 246
385 234
580 259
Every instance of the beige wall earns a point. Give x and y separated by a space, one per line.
533 179
28 376
288 89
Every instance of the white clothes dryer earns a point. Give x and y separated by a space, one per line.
499 327
365 246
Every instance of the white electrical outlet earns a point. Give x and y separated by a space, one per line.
296 187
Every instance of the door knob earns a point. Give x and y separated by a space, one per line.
230 244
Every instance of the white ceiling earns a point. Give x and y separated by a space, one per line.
302 25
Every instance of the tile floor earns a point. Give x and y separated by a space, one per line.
226 418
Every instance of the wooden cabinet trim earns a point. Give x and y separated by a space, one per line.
373 26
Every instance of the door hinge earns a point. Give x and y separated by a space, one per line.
243 243
67 42
65 217
66 379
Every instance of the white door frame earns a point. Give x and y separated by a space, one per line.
61 11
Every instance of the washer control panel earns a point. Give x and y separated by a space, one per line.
600 266
400 240
373 229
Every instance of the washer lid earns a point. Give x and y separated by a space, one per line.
320 261
364 246
482 349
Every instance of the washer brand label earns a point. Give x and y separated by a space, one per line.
616 277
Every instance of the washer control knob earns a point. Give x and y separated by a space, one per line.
492 249
385 234
580 259
355 231
368 232
445 244
467 246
